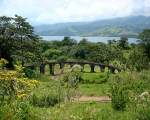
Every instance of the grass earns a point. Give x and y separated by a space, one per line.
78 111
99 86
94 89
81 111
94 77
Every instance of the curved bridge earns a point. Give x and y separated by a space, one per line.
92 65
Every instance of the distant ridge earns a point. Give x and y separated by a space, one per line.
126 26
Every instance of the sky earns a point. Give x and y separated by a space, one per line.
56 11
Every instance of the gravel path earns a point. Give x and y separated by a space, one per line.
93 98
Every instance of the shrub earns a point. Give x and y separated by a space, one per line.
44 100
23 111
143 112
30 73
14 86
119 94
143 106
126 87
70 82
138 60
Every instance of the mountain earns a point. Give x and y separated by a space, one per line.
128 26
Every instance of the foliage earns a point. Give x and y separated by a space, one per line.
14 86
123 43
52 54
44 101
17 40
71 81
126 88
119 95
67 41
30 73
3 62
143 108
138 60
145 41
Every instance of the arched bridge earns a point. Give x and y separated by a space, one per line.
92 65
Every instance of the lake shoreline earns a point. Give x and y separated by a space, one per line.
91 38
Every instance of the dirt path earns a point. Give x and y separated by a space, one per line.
93 98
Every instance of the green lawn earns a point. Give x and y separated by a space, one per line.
94 77
94 89
81 111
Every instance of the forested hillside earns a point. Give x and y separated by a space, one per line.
129 26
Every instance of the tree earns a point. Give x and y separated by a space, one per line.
6 39
84 41
123 42
67 41
17 40
145 41
138 59
28 41
52 54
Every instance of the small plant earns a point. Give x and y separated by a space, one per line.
71 81
119 94
23 111
143 106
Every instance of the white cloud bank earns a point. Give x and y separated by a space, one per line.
53 11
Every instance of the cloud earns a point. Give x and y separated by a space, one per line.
53 11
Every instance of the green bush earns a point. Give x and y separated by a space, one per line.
143 106
6 113
143 112
44 101
30 73
23 111
16 111
119 94
126 89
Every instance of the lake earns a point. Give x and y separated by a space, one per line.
91 39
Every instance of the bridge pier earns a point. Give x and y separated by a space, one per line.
51 68
92 65
82 67
102 68
42 68
92 68
61 65
111 68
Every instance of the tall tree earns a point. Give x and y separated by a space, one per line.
17 40
24 33
6 39
145 41
123 42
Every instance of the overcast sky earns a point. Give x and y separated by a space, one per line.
54 11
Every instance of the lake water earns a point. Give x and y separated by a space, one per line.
91 39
